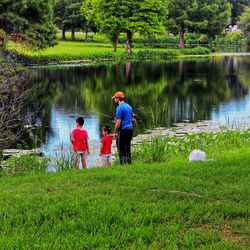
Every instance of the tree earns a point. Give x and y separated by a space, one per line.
68 15
244 24
59 15
215 16
74 18
201 16
31 20
237 9
110 19
177 19
145 17
89 9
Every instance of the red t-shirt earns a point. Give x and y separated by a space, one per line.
106 142
80 137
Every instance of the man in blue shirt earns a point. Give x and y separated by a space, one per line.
123 128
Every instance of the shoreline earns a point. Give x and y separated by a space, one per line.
56 57
180 130
80 62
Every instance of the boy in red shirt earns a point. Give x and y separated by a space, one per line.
79 139
105 151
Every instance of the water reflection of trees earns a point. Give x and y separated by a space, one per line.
188 88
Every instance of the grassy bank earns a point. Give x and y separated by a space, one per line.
67 51
172 205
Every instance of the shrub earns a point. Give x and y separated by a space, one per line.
233 39
25 164
3 39
152 42
161 149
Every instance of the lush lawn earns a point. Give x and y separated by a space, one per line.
69 48
174 205
76 48
67 51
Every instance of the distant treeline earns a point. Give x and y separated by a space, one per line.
35 23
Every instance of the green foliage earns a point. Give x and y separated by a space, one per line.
89 9
244 23
215 17
70 51
235 39
3 40
68 16
63 161
231 39
177 15
25 164
74 18
109 18
203 17
29 21
153 42
237 9
144 17
59 11
162 149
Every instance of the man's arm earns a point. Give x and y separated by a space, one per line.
117 126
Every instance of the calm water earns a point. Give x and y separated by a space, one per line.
192 89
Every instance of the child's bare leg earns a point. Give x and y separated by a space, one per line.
104 162
84 165
77 163
109 161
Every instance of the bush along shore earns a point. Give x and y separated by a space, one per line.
154 146
43 58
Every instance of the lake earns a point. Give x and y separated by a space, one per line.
214 88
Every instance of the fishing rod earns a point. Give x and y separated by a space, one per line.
107 116
111 117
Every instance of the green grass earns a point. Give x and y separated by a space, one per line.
75 48
172 205
67 51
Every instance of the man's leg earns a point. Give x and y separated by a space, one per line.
125 146
121 140
130 136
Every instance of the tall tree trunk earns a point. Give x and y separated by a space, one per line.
73 35
63 33
129 42
115 44
86 35
182 40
